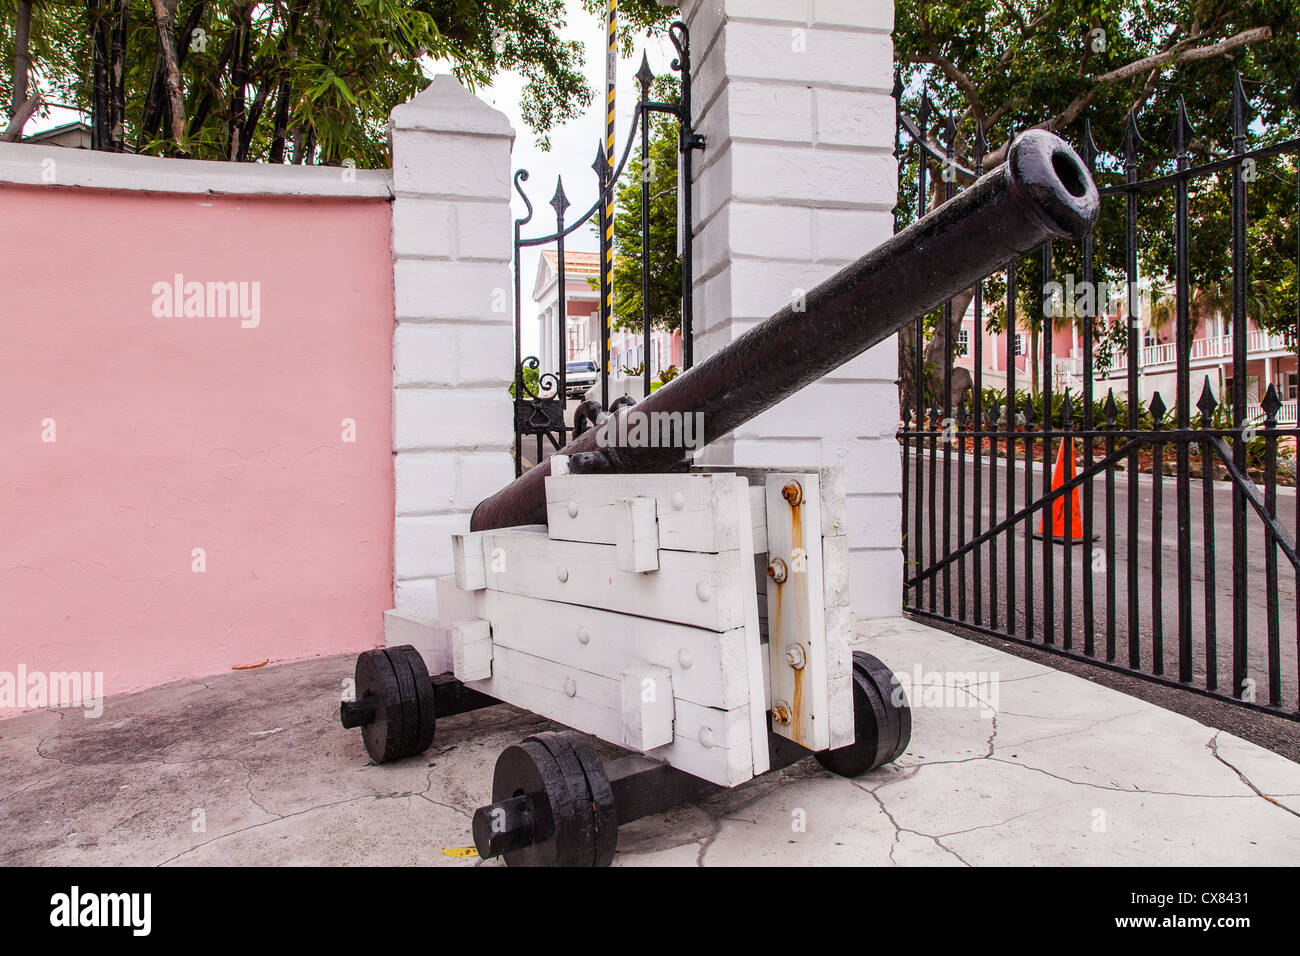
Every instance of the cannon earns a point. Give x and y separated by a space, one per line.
696 617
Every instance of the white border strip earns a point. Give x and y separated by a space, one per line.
27 164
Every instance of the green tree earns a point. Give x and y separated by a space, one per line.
305 81
1003 66
665 265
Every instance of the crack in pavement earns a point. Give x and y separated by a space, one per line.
1213 747
254 826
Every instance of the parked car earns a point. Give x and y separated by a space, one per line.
580 376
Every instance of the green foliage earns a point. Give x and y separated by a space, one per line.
634 17
340 66
530 378
668 374
1009 66
665 265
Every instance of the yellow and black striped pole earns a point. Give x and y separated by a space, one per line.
607 208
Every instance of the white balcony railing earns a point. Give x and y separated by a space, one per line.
1286 415
1203 350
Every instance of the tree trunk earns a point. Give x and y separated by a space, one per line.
117 78
934 351
153 106
22 105
281 123
22 56
240 16
165 19
100 121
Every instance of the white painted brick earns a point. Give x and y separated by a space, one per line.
767 111
480 475
423 227
713 244
484 231
795 11
451 230
713 185
877 364
484 354
418 596
422 545
783 452
762 172
869 465
424 354
865 14
874 521
426 481
777 232
823 408
876 582
451 164
822 57
452 418
854 118
424 289
760 289
848 234
712 299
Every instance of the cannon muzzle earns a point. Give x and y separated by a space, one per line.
1042 191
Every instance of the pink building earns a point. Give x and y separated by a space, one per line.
582 312
1269 360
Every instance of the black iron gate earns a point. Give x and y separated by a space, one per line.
1171 570
540 412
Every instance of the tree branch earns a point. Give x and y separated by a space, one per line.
14 131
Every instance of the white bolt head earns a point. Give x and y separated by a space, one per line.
573 509
685 658
570 687
562 573
584 635
706 738
678 501
704 591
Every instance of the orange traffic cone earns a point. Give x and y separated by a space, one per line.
1064 472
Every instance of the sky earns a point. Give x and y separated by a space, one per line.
573 144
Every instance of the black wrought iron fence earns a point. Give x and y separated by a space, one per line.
540 407
1169 568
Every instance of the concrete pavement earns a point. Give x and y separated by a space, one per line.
1031 766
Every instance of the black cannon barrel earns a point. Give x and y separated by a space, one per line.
1042 191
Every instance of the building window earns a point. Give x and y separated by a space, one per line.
963 341
1020 343
1292 385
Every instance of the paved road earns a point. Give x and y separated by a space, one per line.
281 783
1156 587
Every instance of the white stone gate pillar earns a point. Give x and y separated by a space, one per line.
797 180
453 344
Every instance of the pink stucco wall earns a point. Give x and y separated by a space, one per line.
181 433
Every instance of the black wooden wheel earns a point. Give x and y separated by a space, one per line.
528 770
882 721
602 800
406 694
552 805
589 787
894 698
425 707
394 706
377 686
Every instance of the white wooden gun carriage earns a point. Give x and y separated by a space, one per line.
700 620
